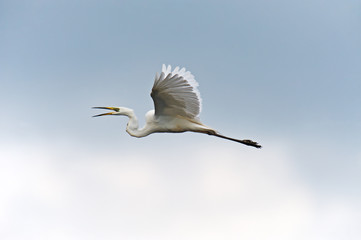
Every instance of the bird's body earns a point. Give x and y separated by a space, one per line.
177 104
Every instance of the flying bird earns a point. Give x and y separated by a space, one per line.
177 105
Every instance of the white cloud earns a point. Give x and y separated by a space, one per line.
216 192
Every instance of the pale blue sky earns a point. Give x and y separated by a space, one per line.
284 73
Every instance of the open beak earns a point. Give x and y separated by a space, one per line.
108 113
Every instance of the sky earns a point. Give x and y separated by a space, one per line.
283 73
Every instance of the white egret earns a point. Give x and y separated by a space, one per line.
177 104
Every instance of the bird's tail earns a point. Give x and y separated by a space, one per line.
244 141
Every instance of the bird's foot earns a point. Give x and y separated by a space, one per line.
251 143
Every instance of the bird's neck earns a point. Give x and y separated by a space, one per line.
133 126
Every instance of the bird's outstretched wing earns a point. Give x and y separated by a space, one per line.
175 93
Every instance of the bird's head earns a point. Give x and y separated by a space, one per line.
119 111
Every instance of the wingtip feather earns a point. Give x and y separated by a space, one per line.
182 72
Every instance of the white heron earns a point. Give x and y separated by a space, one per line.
177 104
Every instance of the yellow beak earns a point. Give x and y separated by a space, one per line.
108 108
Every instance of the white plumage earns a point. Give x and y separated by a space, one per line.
175 93
177 104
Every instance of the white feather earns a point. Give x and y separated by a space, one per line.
175 93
